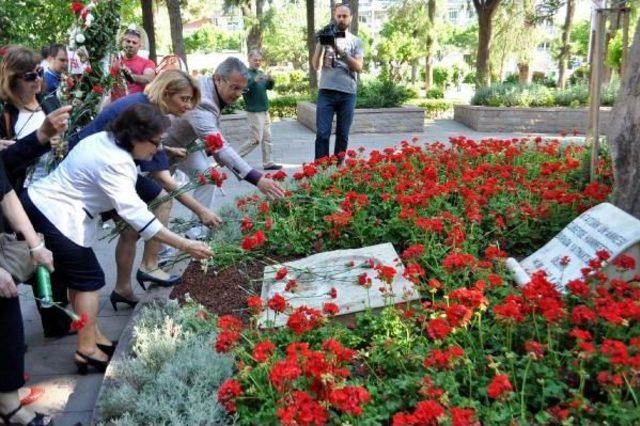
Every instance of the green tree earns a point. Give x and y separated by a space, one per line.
485 10
35 23
580 39
515 36
407 36
285 43
565 49
255 20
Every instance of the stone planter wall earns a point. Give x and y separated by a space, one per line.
378 120
535 120
235 127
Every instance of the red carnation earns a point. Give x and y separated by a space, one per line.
214 142
330 308
277 303
255 304
438 328
79 322
499 386
462 416
98 89
76 6
349 399
301 409
304 319
282 272
263 350
226 340
227 393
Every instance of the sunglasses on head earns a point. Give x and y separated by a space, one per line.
134 32
33 75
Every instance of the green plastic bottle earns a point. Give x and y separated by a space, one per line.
43 287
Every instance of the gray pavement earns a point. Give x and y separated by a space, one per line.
69 397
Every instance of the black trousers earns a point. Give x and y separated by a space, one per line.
12 345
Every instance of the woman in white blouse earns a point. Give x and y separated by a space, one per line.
99 175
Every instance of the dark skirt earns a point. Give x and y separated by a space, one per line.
76 267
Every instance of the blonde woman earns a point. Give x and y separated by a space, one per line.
175 93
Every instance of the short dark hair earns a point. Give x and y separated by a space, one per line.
44 52
339 5
133 31
139 122
54 49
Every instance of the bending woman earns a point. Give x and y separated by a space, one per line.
175 93
97 176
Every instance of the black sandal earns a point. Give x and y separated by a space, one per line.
38 420
101 366
108 349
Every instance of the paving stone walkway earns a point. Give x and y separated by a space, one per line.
69 397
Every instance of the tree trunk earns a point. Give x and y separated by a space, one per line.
414 71
254 37
311 43
485 10
428 67
615 21
565 50
175 23
354 6
624 136
149 28
524 73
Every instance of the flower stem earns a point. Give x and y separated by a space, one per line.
523 411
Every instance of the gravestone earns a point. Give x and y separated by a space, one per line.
603 227
316 275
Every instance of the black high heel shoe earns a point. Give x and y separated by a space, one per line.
38 420
144 277
108 349
116 298
101 366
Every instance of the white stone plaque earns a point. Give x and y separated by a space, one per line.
316 275
601 227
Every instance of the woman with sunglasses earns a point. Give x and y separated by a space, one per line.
175 93
27 123
24 108
97 176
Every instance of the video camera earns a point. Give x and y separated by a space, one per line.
328 34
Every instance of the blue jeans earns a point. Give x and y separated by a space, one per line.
342 104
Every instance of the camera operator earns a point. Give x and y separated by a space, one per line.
339 56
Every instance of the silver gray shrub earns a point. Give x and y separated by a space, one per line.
173 374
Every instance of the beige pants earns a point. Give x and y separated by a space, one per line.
259 134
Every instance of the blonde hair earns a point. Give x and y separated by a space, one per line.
17 61
169 83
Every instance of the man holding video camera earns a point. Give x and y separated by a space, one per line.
339 57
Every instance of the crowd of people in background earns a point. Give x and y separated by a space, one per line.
116 167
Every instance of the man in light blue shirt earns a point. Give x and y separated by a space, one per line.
339 64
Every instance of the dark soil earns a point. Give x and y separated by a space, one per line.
223 292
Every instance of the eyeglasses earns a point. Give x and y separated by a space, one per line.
156 142
33 75
236 88
132 31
